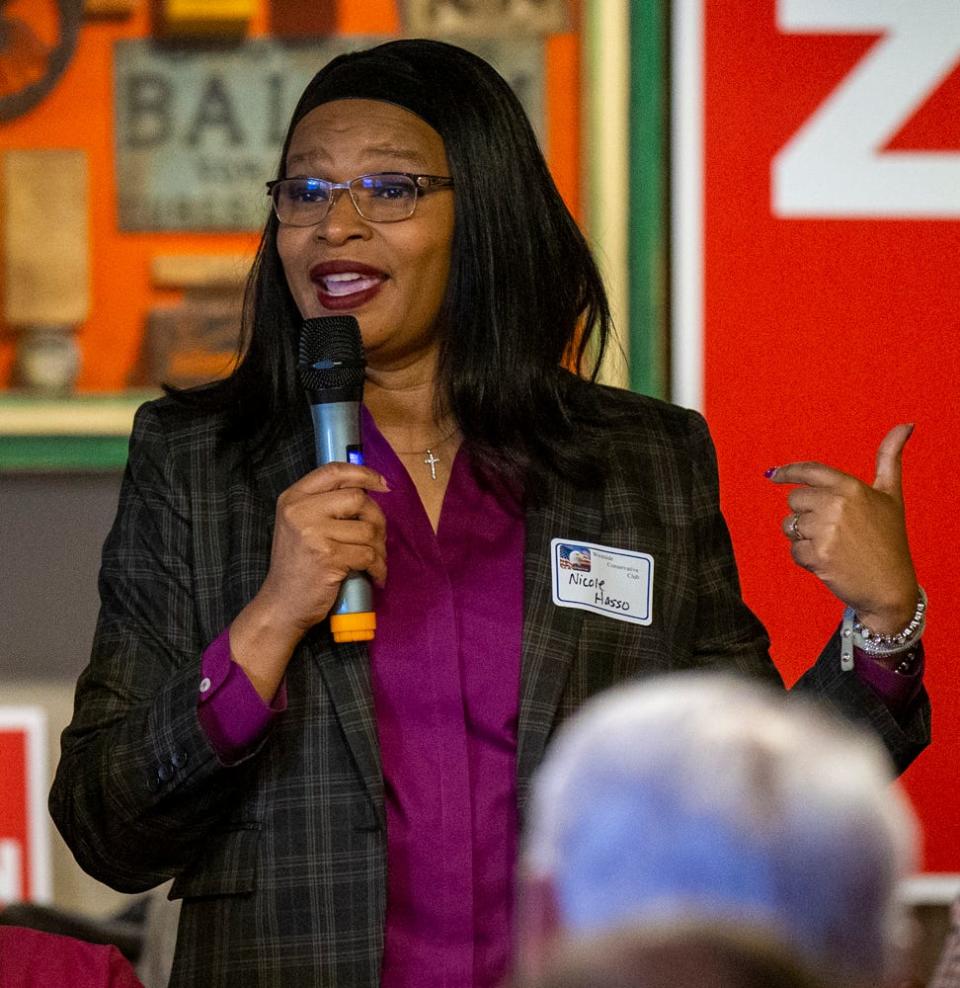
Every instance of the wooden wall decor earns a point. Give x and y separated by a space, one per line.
207 17
299 19
485 18
191 343
46 250
215 272
46 258
39 39
194 341
110 8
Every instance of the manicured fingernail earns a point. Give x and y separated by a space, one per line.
770 471
383 483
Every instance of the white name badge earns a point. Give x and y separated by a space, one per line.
614 582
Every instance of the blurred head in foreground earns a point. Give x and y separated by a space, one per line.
683 955
705 798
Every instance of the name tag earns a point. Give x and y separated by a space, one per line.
614 582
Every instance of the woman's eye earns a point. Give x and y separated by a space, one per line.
303 192
392 192
311 195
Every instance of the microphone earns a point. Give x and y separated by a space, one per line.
330 368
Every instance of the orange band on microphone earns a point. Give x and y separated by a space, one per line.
353 627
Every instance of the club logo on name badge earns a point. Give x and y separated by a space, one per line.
576 557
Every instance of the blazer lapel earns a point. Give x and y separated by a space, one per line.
345 667
550 633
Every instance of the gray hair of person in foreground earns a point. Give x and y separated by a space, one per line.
701 796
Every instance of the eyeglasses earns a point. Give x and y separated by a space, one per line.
382 198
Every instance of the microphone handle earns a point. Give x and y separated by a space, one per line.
336 430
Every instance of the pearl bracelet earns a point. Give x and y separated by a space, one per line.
854 634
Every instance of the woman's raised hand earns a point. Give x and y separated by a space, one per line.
326 526
852 535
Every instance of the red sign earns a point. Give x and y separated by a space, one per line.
817 297
24 828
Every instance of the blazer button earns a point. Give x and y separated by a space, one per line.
164 773
179 759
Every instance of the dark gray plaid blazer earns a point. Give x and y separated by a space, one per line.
281 859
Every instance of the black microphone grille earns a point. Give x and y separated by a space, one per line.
331 356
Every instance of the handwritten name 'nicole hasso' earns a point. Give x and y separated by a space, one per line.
600 598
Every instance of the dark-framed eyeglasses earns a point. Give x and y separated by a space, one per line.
385 197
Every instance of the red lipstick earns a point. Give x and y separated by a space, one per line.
346 284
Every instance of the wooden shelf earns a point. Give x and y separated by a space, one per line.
79 433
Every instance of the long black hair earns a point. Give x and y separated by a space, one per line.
523 296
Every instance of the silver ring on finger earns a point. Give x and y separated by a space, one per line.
795 534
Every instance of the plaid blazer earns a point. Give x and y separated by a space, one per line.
280 860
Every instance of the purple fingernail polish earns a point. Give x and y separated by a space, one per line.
768 473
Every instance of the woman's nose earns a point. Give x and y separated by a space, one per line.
343 221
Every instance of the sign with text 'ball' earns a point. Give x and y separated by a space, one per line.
199 130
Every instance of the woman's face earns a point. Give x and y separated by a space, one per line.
391 276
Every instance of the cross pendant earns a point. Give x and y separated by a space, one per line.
432 461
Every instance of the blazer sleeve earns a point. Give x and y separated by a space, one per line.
904 735
727 633
138 785
725 625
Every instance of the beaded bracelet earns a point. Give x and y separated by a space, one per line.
854 634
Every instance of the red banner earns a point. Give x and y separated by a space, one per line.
24 828
817 237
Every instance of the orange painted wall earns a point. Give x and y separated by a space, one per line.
77 114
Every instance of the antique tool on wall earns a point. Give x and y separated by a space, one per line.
37 41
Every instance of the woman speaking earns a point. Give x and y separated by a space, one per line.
346 813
